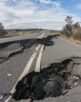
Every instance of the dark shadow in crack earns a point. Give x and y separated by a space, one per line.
10 49
53 81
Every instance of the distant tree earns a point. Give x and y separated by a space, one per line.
68 30
69 20
68 26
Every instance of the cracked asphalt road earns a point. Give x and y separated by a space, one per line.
11 69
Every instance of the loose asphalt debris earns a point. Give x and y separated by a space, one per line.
12 48
53 81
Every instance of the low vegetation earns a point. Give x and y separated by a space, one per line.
13 32
67 31
16 32
77 34
2 33
71 30
2 30
54 31
21 32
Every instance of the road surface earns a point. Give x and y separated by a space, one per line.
36 57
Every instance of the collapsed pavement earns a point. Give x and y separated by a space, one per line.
53 81
12 48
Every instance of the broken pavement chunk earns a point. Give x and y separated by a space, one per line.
54 86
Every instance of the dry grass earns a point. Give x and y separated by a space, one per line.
77 34
21 32
54 31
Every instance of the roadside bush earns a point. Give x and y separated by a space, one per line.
2 33
67 31
77 34
64 32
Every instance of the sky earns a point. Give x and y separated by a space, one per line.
46 14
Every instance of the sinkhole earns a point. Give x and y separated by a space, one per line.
55 80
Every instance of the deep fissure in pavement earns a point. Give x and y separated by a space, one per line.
53 81
15 47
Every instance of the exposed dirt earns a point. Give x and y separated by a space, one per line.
12 48
53 81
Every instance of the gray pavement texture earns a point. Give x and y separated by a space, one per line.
9 49
74 95
61 50
16 38
12 45
14 66
6 51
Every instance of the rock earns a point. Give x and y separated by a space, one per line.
54 86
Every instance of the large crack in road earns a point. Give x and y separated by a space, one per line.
10 49
53 81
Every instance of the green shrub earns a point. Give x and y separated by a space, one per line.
2 33
67 31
